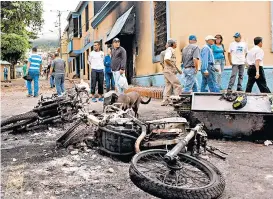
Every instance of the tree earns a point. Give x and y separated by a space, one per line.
13 47
22 17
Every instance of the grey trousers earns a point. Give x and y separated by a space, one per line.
235 70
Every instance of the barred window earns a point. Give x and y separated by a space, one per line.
160 24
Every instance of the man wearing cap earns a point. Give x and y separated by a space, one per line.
207 67
190 59
118 62
255 70
237 57
169 72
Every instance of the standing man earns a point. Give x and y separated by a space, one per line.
118 64
169 72
190 60
58 68
109 78
6 73
52 72
207 67
34 70
25 70
255 70
95 60
237 57
162 56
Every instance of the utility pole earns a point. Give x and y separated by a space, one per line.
60 30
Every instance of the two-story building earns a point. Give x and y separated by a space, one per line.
144 27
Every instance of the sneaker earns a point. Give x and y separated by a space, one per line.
101 99
36 96
28 95
94 100
239 89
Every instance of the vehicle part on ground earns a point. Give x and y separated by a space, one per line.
172 174
74 135
18 121
252 122
49 110
188 178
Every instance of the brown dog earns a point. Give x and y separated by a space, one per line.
131 100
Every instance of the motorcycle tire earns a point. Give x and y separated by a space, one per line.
73 134
155 187
17 121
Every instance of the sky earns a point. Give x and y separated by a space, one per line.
51 17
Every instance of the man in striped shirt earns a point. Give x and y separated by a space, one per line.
34 70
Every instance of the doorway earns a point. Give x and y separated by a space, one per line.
78 66
126 41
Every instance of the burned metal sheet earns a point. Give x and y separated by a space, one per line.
168 120
211 102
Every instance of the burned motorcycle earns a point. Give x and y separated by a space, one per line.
49 110
161 172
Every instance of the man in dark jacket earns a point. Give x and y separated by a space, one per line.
118 62
109 78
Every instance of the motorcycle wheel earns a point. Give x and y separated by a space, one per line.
18 121
188 178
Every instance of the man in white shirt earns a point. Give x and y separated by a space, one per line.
236 56
255 70
170 70
95 59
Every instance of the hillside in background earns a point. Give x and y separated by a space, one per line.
46 44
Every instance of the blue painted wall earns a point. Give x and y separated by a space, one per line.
157 80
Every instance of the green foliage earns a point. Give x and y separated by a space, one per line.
22 17
13 47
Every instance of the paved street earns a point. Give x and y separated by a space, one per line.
33 168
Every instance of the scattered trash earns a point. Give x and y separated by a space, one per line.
14 159
29 193
111 170
75 152
267 142
93 156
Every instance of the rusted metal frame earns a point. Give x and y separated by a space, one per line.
161 143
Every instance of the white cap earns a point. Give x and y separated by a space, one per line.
210 37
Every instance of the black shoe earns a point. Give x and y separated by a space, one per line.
239 89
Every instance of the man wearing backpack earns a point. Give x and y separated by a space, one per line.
190 60
109 78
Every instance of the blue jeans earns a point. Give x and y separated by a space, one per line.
5 77
52 83
109 79
59 83
190 80
210 81
222 63
35 78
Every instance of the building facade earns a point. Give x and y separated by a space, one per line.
144 27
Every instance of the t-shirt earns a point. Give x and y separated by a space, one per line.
238 51
256 53
218 51
58 65
35 62
162 55
96 60
189 53
25 69
170 55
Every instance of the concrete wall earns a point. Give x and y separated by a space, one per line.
225 18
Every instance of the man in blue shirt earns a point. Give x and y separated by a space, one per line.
109 78
207 67
34 70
